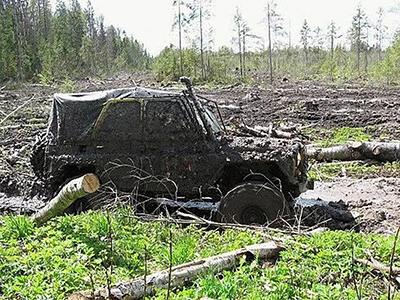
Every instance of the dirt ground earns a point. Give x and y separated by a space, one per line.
374 202
314 105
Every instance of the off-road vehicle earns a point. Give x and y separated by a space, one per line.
169 144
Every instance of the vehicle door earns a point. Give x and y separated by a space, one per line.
118 136
174 145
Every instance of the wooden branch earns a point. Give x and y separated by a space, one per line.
17 154
202 221
376 265
16 110
73 190
182 274
385 152
19 126
16 141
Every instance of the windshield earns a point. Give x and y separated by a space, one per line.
212 120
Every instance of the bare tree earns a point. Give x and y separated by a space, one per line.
380 32
203 71
179 23
275 29
238 19
332 33
269 43
200 13
245 35
317 38
365 45
358 33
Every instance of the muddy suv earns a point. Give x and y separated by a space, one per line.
170 145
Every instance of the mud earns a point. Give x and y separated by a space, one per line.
374 203
19 204
306 105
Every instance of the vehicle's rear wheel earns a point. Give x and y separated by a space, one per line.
253 203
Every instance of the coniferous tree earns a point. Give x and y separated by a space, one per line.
332 34
305 39
358 34
69 42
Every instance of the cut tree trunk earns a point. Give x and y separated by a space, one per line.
385 152
137 288
73 190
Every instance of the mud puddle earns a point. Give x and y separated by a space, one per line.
374 203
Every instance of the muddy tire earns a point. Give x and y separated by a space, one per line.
253 203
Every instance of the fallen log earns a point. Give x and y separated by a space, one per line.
384 152
73 190
376 265
181 274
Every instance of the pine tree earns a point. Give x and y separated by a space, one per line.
332 34
76 30
88 53
8 59
305 39
358 34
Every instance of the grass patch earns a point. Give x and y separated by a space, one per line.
70 253
317 267
338 136
330 171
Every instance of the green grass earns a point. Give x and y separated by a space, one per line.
330 171
337 136
71 253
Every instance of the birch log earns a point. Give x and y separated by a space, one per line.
385 152
181 274
73 190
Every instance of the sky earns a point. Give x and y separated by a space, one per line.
150 21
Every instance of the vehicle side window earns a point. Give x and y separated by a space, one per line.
166 120
120 121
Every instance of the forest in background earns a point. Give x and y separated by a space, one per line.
71 42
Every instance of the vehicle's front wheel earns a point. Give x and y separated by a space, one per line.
253 203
